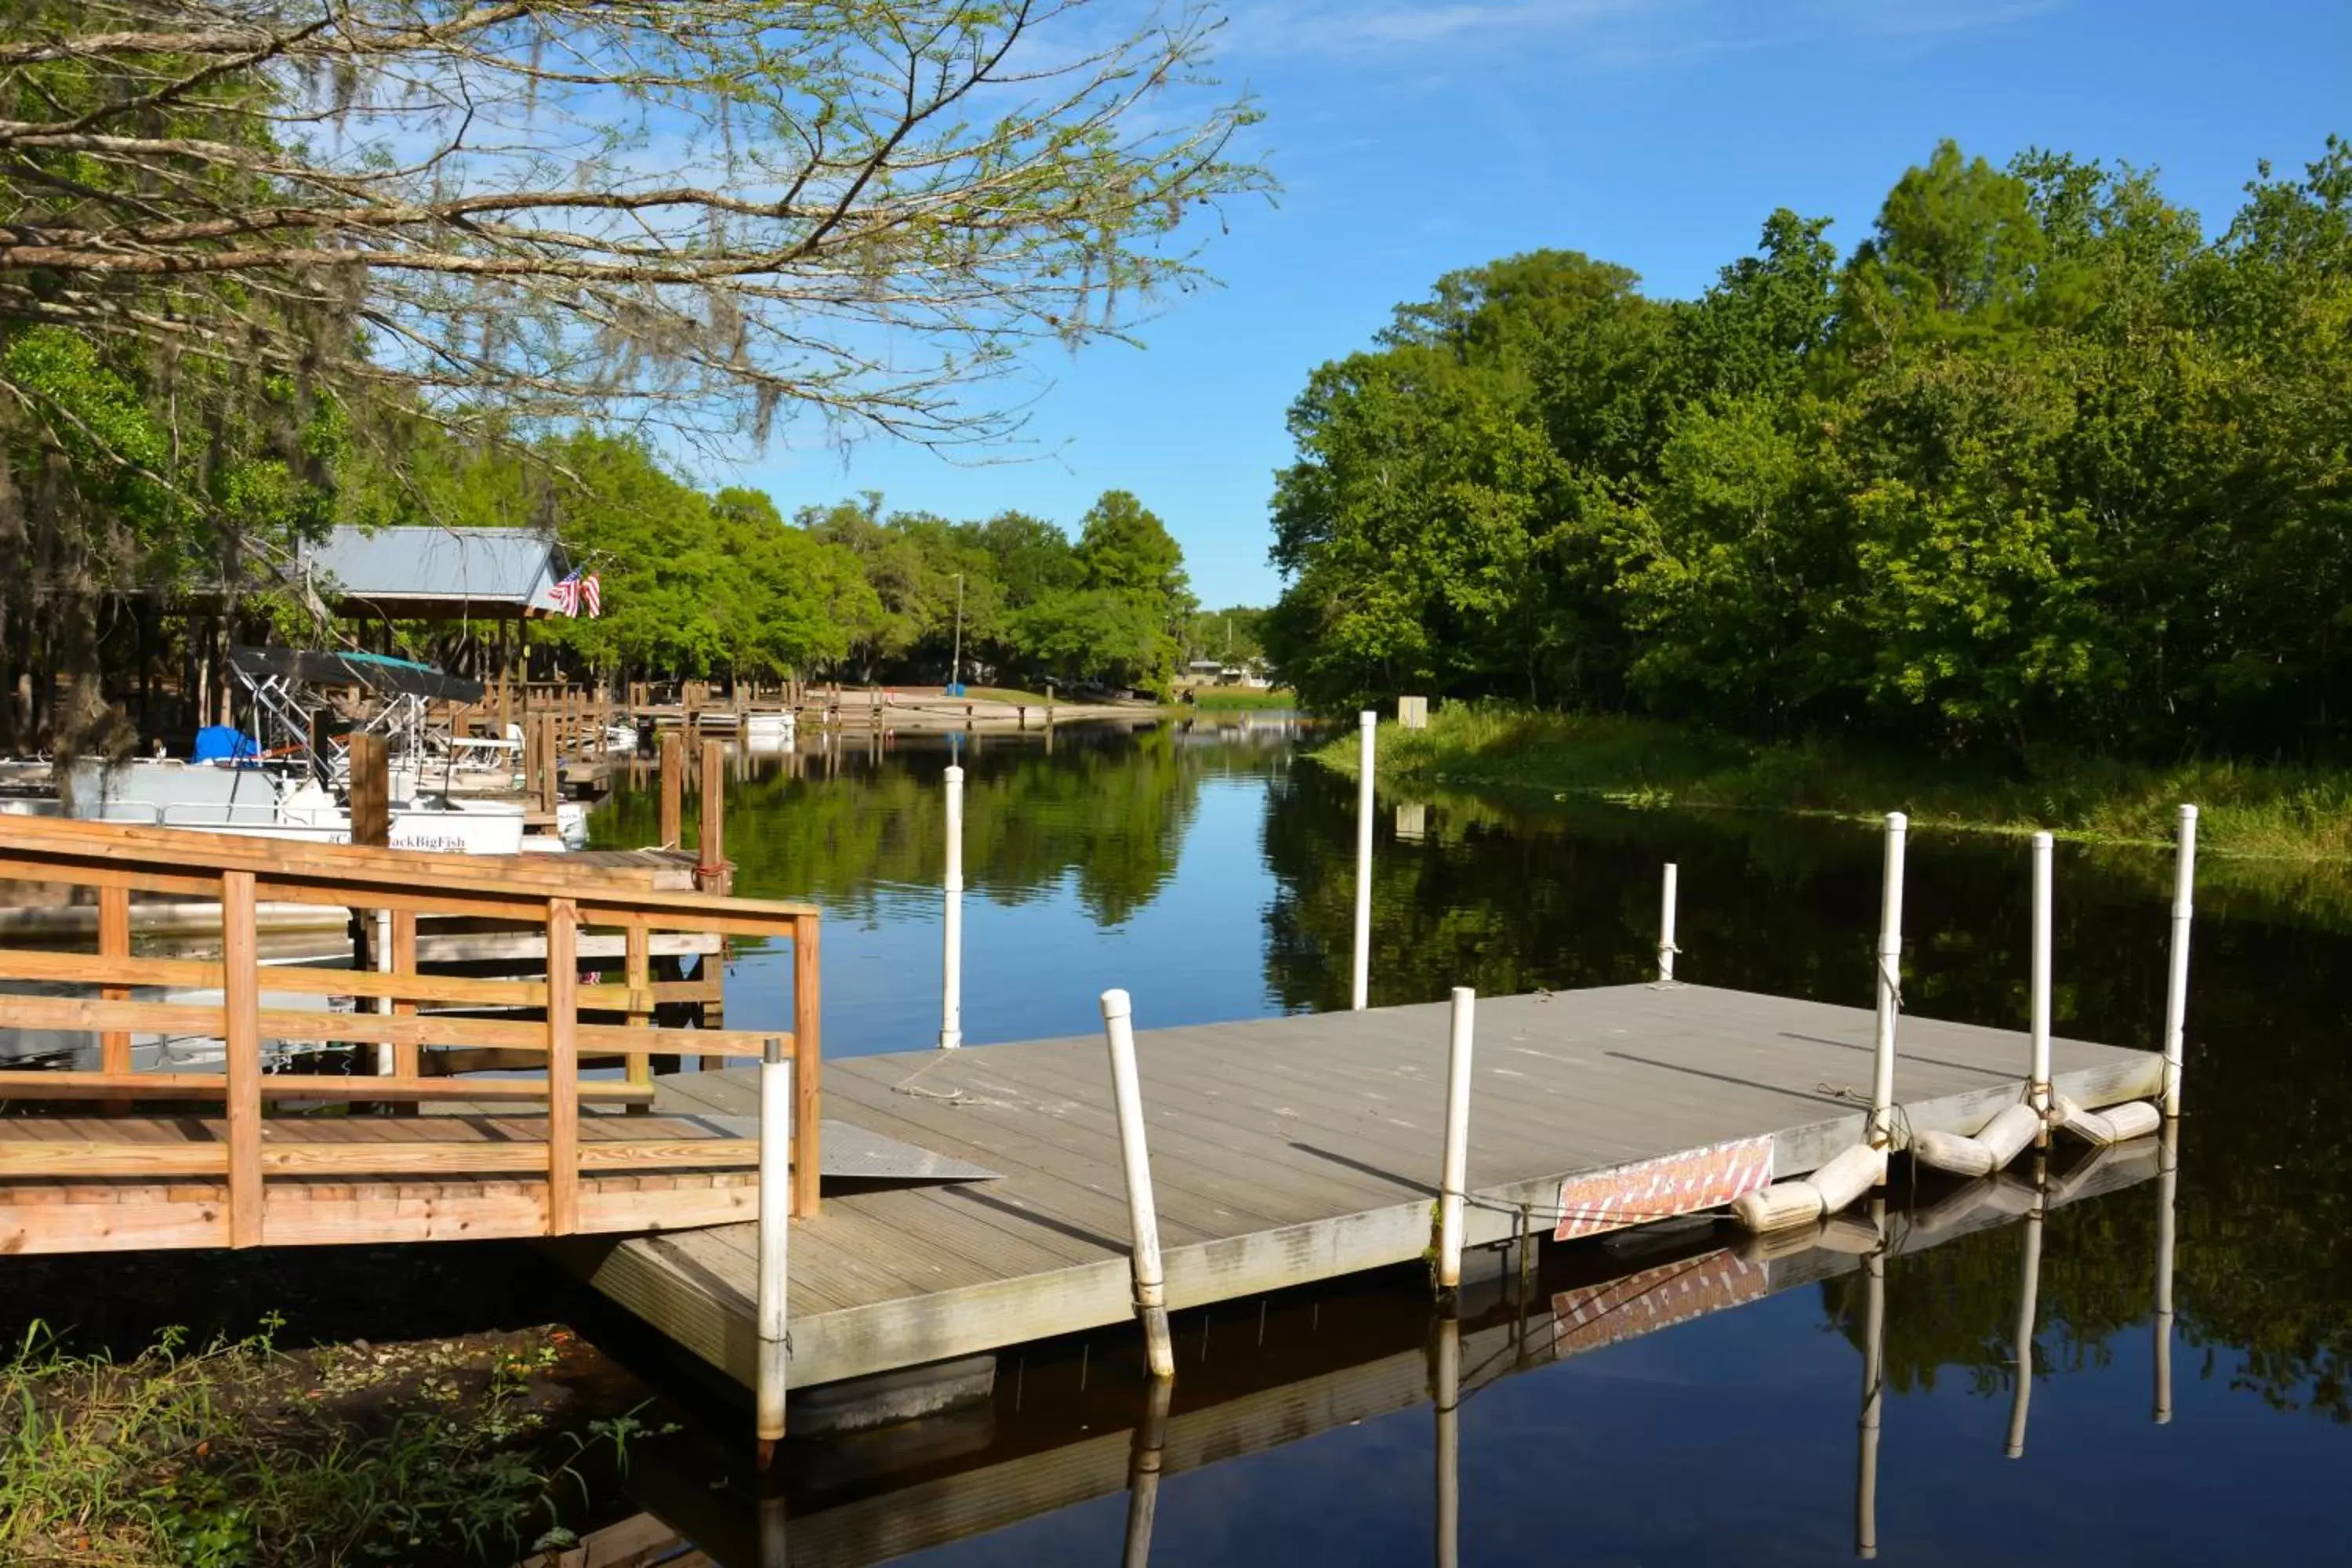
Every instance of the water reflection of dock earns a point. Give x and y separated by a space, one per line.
1293 1368
1288 1150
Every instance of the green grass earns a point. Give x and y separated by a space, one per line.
238 1454
1240 699
2272 812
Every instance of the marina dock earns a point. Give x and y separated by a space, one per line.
1287 1150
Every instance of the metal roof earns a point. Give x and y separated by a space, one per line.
440 572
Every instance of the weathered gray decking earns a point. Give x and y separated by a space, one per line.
1283 1151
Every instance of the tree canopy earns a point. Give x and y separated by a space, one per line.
2038 463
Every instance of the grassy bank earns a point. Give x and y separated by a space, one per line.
239 1453
2287 812
1242 700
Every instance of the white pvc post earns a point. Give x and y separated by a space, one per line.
1360 990
1143 1215
1873 1391
1666 948
2038 1081
1456 1173
2168 1181
1890 995
2028 1296
1448 1402
951 950
2176 990
775 1219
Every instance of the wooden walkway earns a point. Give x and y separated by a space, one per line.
1284 1151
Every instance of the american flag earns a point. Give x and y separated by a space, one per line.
577 591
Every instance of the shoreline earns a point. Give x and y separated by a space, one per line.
2252 811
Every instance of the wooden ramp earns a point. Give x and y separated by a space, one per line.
1290 1150
350 1178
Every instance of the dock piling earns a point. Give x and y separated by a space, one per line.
1360 988
951 934
1890 987
1135 1161
1455 1177
2176 990
775 1219
2037 1087
1666 948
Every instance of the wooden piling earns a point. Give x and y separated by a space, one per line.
562 1068
775 1241
1135 1163
710 836
672 827
808 1058
241 1043
370 791
1454 1180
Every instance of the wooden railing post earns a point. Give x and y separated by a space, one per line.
241 1042
114 942
639 977
808 1059
562 1068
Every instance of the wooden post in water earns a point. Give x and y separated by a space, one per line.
710 834
2038 1080
1445 1392
2029 1291
1135 1161
1890 988
1456 1173
1666 948
1144 1460
952 929
1873 1389
2175 989
2168 1181
672 828
775 1224
1360 984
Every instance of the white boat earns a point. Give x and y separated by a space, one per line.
241 799
770 731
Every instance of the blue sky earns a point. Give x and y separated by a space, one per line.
1414 139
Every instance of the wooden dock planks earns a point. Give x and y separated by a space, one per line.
1284 1151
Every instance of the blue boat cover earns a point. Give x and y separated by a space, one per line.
220 744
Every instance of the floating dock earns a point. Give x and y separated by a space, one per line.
1288 1150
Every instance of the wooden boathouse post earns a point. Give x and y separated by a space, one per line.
710 833
1360 986
1134 1163
951 926
2175 989
2037 1087
1666 948
1890 988
775 1224
1456 1173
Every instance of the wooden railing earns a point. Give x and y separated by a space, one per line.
116 861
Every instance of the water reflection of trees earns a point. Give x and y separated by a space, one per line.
1104 814
1564 894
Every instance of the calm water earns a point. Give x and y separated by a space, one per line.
1209 873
